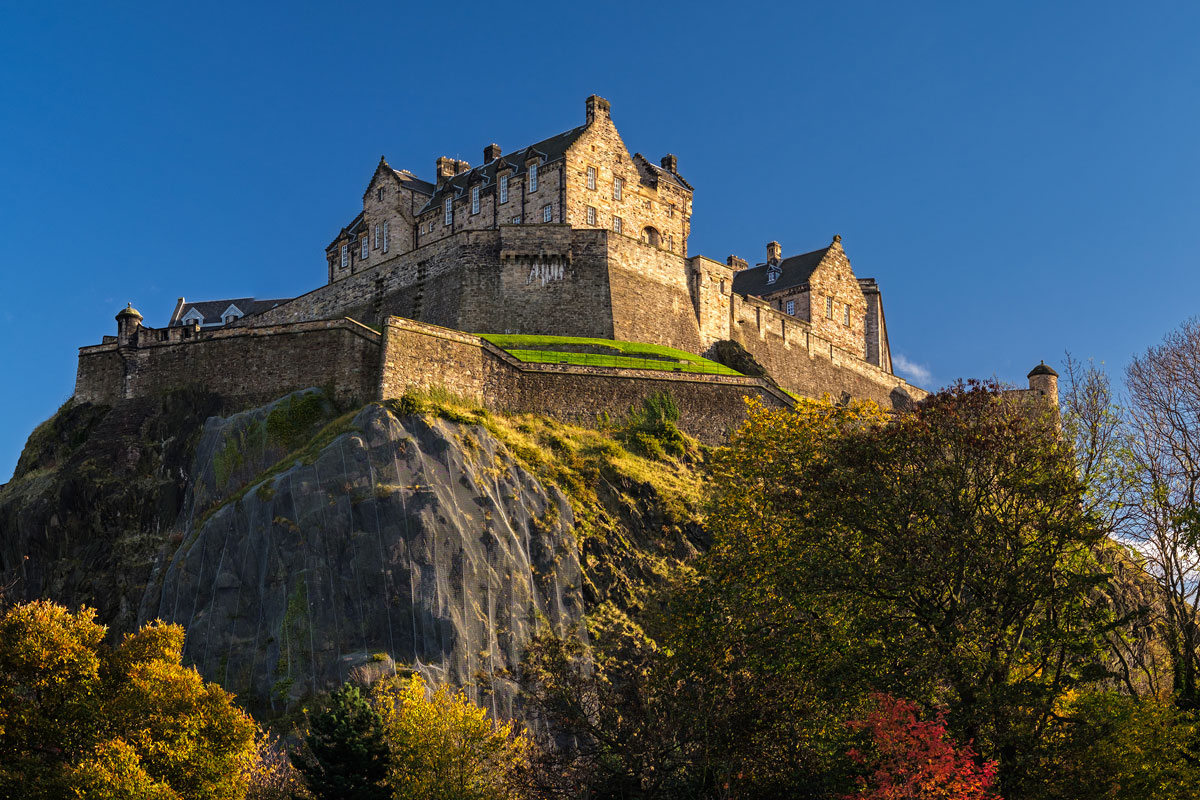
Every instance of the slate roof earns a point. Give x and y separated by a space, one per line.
411 181
793 272
213 309
547 150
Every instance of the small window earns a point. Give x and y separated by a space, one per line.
791 308
591 177
379 193
547 214
366 246
829 308
671 243
618 184
474 199
671 212
845 313
447 213
517 220
503 188
617 224
385 237
345 256
376 245
533 177
591 215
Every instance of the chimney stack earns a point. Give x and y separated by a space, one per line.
596 105
774 253
491 153
448 167
670 163
736 263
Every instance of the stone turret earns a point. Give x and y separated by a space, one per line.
128 322
1044 381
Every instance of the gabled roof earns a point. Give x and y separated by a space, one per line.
657 173
212 312
546 151
793 272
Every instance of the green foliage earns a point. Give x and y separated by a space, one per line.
443 745
292 421
652 429
80 719
58 437
345 753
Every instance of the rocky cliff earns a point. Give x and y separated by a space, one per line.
299 544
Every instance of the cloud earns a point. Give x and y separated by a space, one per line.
912 371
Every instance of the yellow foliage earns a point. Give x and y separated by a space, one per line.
445 746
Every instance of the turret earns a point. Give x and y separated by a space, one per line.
128 322
1044 381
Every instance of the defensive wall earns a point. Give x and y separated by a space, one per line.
247 365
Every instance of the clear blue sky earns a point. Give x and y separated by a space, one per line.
1020 177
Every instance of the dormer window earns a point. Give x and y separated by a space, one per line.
772 273
474 199
533 177
447 212
503 188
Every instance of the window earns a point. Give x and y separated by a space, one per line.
591 215
345 256
617 185
517 220
503 188
591 178
376 236
791 308
366 245
474 199
845 313
447 212
671 243
547 214
533 177
385 237
617 224
772 273
829 308
379 194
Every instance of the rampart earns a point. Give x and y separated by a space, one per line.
246 365
426 356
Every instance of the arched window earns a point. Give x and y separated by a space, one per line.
651 236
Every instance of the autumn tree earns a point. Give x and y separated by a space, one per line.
908 758
78 718
443 745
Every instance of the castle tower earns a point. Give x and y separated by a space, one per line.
128 321
1044 381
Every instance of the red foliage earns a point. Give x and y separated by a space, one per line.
912 759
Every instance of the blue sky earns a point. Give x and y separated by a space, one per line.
1021 178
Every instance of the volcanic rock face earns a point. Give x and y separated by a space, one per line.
387 537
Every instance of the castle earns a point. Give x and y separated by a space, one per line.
571 236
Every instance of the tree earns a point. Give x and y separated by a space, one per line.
944 555
1164 419
80 718
345 753
445 746
912 759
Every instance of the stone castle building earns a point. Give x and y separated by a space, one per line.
572 236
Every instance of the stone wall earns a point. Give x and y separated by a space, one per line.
243 364
808 364
424 356
650 298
